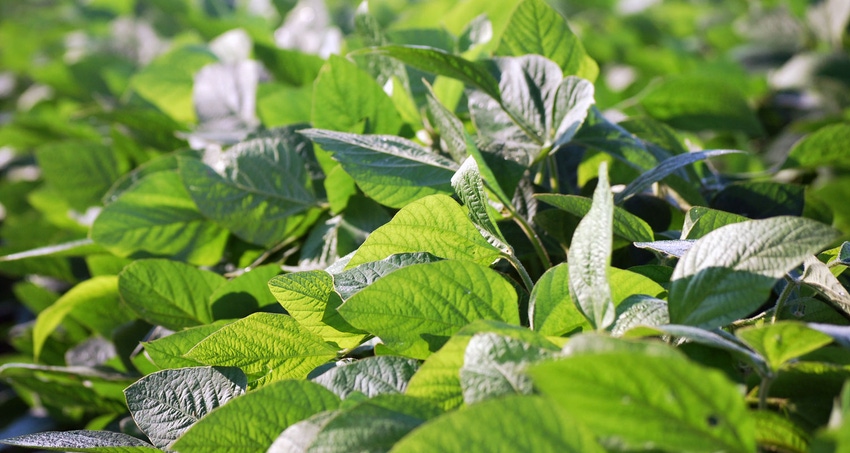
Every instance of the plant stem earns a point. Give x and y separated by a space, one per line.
527 229
764 389
790 286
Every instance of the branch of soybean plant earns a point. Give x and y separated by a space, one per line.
526 228
790 286
262 258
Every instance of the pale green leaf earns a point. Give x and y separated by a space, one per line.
309 297
371 376
640 399
415 309
773 431
82 441
536 28
435 224
169 293
251 423
167 403
264 181
156 216
494 365
700 221
826 147
167 352
95 291
729 272
524 423
80 172
347 99
783 341
268 347
590 256
392 170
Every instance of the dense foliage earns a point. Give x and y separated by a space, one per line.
425 226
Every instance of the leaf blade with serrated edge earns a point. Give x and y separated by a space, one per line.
415 309
268 347
729 272
434 224
392 170
167 403
590 255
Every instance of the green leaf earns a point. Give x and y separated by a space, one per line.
309 297
80 172
82 441
344 97
434 224
414 310
81 247
825 147
348 283
92 292
626 225
700 221
640 310
729 272
156 216
59 387
639 399
167 82
392 170
773 431
169 293
439 62
818 276
673 248
573 101
289 66
264 181
700 103
761 199
494 365
524 423
450 127
167 352
590 256
666 168
469 188
167 403
244 294
268 347
783 341
536 28
247 425
371 376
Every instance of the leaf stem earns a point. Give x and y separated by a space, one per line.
790 286
764 389
526 228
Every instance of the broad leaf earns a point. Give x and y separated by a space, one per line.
729 272
778 432
392 170
590 255
666 168
783 341
524 423
347 99
700 103
309 297
247 425
85 296
244 294
82 441
414 310
494 365
167 352
167 403
643 400
469 188
371 376
59 387
551 307
640 310
350 282
80 172
822 148
435 224
700 221
536 28
169 293
450 127
626 225
156 216
289 66
818 276
264 181
439 62
268 347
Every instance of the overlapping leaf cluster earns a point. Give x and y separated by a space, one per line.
408 234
